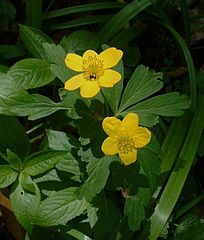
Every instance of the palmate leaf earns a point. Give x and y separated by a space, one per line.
142 84
98 175
60 207
31 73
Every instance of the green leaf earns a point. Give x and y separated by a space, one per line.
120 19
169 104
55 53
60 207
11 51
40 106
92 215
26 182
25 205
31 73
97 178
41 162
62 72
13 136
14 161
80 41
33 39
7 176
134 208
142 84
61 141
109 215
191 227
3 68
113 94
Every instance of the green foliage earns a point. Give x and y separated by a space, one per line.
60 183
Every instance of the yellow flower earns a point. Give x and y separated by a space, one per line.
94 71
125 137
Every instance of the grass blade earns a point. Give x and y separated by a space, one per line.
82 8
177 179
34 13
121 18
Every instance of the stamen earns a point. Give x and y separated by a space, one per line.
93 68
125 145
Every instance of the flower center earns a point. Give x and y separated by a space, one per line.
93 68
125 144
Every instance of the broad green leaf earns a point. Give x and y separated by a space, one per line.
169 104
31 73
62 72
7 175
55 53
33 39
150 164
41 162
60 207
10 96
25 205
13 159
13 136
134 208
80 41
142 84
97 178
26 182
109 215
40 107
61 141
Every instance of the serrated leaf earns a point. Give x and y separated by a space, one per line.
7 176
169 104
25 205
60 208
61 141
40 106
62 72
134 208
92 215
13 159
142 84
31 73
13 136
97 178
33 39
80 41
55 53
191 227
41 162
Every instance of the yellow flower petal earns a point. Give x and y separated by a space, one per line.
109 78
90 53
110 146
130 122
74 82
129 157
110 57
142 137
74 62
89 89
111 125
